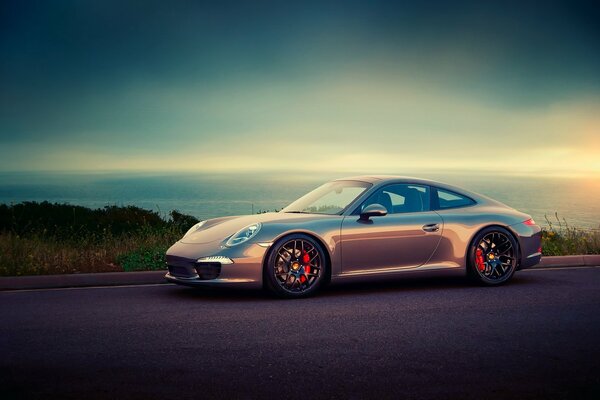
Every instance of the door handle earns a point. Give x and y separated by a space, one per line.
431 227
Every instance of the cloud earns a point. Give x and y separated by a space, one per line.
379 86
342 124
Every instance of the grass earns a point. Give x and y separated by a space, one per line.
560 239
46 238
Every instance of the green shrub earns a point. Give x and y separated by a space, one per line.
560 239
67 221
181 221
143 259
45 238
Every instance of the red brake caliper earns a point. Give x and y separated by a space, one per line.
479 260
306 261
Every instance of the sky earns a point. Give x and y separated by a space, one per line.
385 87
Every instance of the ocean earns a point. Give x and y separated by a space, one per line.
574 200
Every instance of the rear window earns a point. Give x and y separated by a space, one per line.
448 199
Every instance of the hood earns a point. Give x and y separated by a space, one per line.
221 228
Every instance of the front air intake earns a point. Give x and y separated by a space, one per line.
208 270
181 272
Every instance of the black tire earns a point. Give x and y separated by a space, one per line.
296 275
493 255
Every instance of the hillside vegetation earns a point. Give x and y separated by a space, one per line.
45 238
561 239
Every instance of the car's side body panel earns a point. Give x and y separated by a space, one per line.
390 242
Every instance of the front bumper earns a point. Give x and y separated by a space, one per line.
196 282
244 271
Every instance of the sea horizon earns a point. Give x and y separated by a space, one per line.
575 200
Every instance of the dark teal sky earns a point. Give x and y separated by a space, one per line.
103 85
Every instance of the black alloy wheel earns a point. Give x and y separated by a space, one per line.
493 256
296 267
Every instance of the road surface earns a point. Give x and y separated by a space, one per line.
536 337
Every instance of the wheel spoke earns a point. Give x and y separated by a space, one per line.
281 271
504 247
291 279
288 251
499 273
508 252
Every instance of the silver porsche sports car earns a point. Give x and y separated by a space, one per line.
359 228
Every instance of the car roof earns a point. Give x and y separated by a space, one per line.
378 180
388 178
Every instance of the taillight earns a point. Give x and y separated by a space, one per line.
529 222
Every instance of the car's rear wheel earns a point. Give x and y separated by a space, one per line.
493 256
296 267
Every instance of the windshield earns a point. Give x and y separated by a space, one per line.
330 198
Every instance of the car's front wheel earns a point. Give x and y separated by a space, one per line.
493 256
296 267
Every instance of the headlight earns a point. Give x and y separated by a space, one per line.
194 228
243 235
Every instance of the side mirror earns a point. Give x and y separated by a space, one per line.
373 210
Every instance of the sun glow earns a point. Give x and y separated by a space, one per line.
380 124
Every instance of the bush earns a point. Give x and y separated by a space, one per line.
183 222
143 259
66 221
45 238
560 239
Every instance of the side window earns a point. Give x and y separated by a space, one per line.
401 198
448 199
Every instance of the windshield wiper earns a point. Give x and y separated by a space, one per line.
296 212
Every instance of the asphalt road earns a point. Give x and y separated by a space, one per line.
536 337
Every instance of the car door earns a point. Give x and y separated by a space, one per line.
406 237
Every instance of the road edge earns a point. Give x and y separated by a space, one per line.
157 277
81 280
